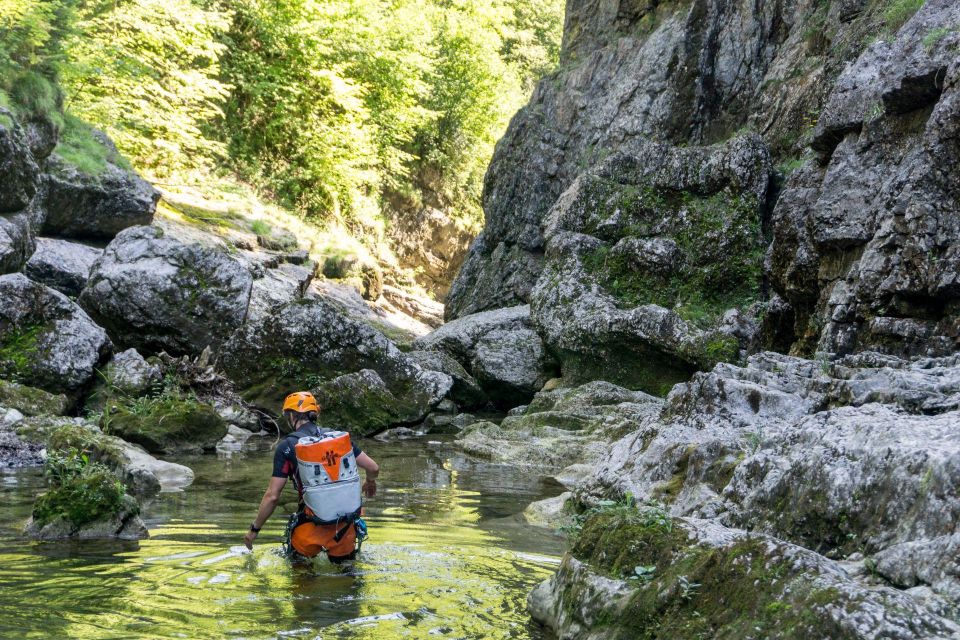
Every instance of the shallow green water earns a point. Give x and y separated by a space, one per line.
447 558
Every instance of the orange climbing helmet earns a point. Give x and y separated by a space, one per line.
301 402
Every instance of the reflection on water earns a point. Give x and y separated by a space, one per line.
447 558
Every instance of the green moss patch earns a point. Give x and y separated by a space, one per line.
19 347
81 491
165 423
88 442
30 401
687 589
720 245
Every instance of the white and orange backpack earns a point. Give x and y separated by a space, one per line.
330 477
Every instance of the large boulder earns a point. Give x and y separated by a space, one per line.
19 173
165 424
30 401
46 340
17 241
123 524
155 293
638 573
366 383
84 205
855 456
563 428
129 374
466 392
62 265
277 286
653 261
499 349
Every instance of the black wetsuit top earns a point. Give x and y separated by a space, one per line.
285 457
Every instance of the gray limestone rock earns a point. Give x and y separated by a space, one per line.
511 365
128 373
46 340
499 350
697 576
865 243
62 265
648 257
80 205
362 379
155 293
466 392
19 173
17 241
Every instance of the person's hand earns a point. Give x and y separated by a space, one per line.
249 538
370 488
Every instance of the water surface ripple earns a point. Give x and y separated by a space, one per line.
448 557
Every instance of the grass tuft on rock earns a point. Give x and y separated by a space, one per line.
81 491
164 423
80 148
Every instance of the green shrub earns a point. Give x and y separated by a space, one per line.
80 491
899 12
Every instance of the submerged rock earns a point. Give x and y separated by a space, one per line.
124 524
155 293
46 340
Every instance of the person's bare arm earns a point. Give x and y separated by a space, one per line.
271 498
369 465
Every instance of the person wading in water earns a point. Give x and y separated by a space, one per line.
324 466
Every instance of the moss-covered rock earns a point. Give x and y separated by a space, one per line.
646 256
31 401
165 424
46 340
309 344
86 499
635 573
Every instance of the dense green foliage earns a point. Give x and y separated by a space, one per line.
336 105
341 108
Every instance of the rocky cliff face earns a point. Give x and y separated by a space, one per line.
857 221
705 180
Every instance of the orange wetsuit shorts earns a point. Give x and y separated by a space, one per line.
310 539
